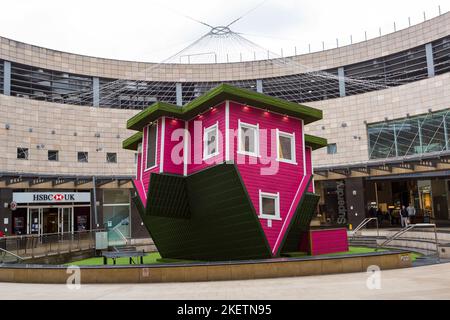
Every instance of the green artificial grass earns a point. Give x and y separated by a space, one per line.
352 250
155 258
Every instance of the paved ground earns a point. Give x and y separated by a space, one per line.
429 282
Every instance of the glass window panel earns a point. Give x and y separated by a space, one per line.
332 148
248 139
408 140
268 206
285 148
53 155
211 141
151 146
115 196
117 220
433 133
22 153
111 157
83 156
381 140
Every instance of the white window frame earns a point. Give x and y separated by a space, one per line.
206 131
156 148
293 153
270 218
240 146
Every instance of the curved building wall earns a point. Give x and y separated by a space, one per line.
344 119
417 35
41 126
343 122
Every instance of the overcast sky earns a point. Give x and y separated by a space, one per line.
152 30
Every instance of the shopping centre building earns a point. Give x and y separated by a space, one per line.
63 169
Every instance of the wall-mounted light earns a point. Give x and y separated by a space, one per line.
386 119
344 125
30 130
53 131
7 126
97 135
118 136
323 127
75 134
430 110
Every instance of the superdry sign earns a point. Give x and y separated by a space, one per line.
51 197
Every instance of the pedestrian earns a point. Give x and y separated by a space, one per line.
411 213
404 217
380 216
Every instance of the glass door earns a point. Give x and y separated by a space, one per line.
65 218
34 221
426 198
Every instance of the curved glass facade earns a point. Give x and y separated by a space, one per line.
410 136
388 71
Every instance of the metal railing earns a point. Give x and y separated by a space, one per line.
409 228
9 257
33 245
363 224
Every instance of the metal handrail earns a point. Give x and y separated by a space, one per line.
51 234
44 244
409 228
5 252
363 224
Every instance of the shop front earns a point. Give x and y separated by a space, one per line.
50 212
351 200
430 197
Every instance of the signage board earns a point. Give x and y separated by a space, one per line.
51 197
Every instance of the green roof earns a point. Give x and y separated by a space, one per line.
311 141
132 142
315 142
217 95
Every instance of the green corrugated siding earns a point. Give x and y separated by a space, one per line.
167 197
302 222
222 224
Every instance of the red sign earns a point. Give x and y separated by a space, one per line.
58 197
13 206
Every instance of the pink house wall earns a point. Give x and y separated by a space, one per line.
196 129
328 241
145 173
173 128
289 180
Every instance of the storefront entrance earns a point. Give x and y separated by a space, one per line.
45 220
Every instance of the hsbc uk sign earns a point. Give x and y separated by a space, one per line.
51 197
